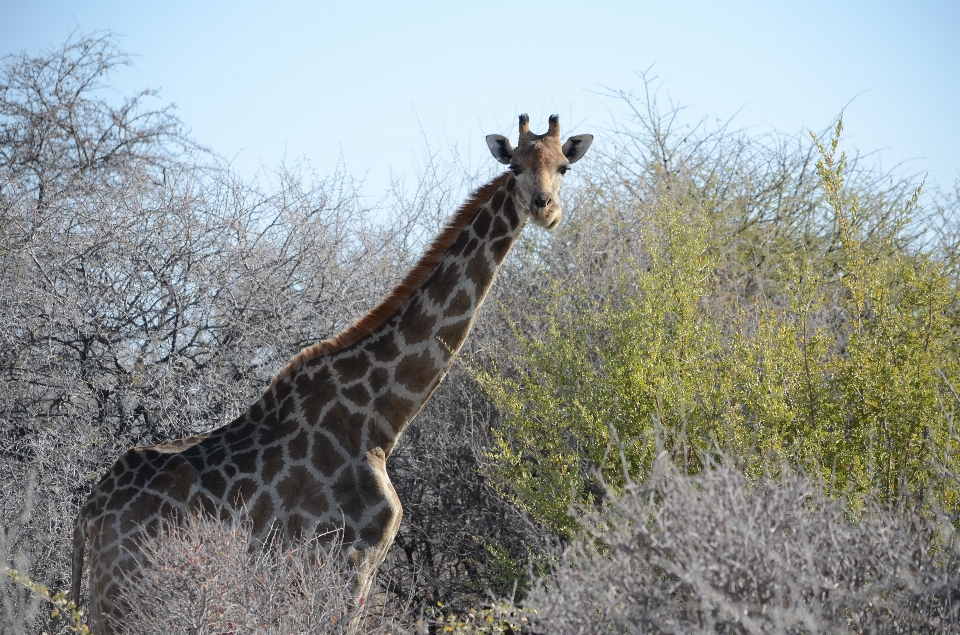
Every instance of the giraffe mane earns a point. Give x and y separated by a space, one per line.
414 278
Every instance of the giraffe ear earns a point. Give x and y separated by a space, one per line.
500 148
577 146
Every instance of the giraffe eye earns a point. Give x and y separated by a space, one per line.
563 169
517 171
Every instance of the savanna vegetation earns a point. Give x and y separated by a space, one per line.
719 398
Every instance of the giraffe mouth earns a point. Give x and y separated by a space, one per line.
547 218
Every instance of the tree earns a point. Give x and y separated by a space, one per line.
147 292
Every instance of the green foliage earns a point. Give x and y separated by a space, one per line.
842 362
61 608
505 574
500 618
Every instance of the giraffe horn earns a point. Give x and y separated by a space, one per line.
554 129
524 125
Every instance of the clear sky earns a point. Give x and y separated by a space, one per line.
370 81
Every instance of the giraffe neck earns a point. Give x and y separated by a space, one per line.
367 392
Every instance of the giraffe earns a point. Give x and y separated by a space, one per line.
310 455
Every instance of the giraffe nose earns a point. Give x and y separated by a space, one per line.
540 201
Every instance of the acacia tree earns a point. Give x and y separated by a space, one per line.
147 292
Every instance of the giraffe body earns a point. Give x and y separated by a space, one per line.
309 457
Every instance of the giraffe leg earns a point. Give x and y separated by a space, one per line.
375 532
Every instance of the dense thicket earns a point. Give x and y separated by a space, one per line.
713 553
761 297
146 293
710 293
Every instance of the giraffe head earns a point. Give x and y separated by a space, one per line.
539 163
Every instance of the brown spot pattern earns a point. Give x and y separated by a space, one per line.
415 324
376 435
384 348
478 270
324 388
497 201
262 510
325 456
125 479
395 409
141 477
133 459
143 506
287 410
379 378
416 371
213 482
297 448
346 491
481 225
368 486
458 244
378 527
300 490
122 496
246 462
459 305
345 426
316 395
358 394
176 479
471 247
499 230
441 286
216 456
268 400
500 248
287 426
510 212
352 368
296 527
242 490
379 315
237 433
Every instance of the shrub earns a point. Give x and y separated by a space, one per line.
839 354
716 553
204 577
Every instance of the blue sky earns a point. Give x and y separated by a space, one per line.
369 82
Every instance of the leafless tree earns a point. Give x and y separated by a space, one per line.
147 292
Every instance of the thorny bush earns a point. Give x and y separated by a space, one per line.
717 553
